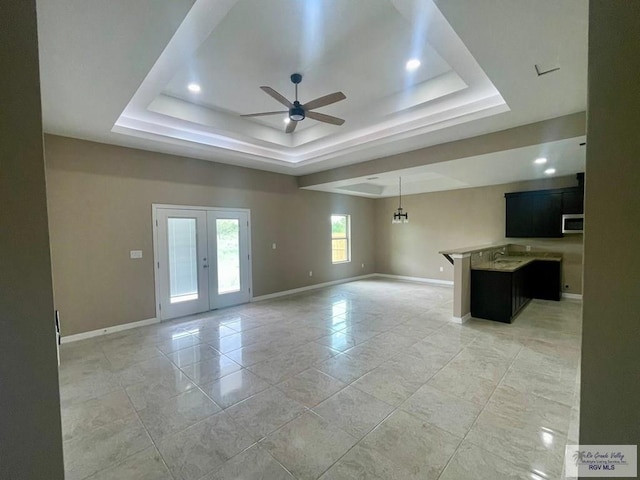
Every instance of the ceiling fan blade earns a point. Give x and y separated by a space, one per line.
291 126
264 113
324 101
270 91
321 117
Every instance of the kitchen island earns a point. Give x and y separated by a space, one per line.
497 281
503 286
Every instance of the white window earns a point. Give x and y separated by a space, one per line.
340 238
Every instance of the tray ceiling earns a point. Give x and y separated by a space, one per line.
231 48
118 72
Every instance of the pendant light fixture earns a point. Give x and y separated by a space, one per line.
399 216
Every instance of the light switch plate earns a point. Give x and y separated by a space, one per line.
135 254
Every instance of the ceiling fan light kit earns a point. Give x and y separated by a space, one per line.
297 111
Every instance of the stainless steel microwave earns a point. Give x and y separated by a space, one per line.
573 223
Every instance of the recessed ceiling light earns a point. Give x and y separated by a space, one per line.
550 171
287 120
412 64
540 160
194 88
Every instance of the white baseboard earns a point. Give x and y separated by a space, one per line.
572 296
106 331
432 281
151 321
310 287
442 283
463 319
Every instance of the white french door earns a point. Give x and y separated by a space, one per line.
229 258
202 259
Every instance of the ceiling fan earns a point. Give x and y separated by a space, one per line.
297 111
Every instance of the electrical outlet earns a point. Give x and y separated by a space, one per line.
311 273
362 266
528 248
442 269
480 254
135 254
273 246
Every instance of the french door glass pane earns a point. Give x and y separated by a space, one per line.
228 236
183 259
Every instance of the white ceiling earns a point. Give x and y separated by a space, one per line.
117 71
566 157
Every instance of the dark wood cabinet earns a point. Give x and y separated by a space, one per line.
519 212
572 200
534 214
501 296
520 290
538 214
492 295
547 219
545 280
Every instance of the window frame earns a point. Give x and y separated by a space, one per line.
346 237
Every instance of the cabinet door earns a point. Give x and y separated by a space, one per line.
534 215
573 201
547 215
491 295
520 293
546 279
518 216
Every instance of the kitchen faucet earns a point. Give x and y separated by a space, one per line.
496 253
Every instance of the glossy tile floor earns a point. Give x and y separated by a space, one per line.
363 380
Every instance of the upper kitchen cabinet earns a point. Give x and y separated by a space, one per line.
535 214
538 214
573 200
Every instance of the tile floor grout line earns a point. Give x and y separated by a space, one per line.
153 442
395 409
500 382
480 413
281 316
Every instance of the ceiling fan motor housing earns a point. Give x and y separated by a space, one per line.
296 113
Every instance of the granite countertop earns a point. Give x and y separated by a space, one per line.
511 263
473 249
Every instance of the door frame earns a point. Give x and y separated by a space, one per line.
181 309
154 226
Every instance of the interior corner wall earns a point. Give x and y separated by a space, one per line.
462 218
100 202
610 391
30 431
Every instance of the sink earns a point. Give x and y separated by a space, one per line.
506 263
509 263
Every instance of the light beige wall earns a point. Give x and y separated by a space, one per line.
100 199
460 218
30 433
610 393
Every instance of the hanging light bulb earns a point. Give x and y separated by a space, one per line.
400 216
